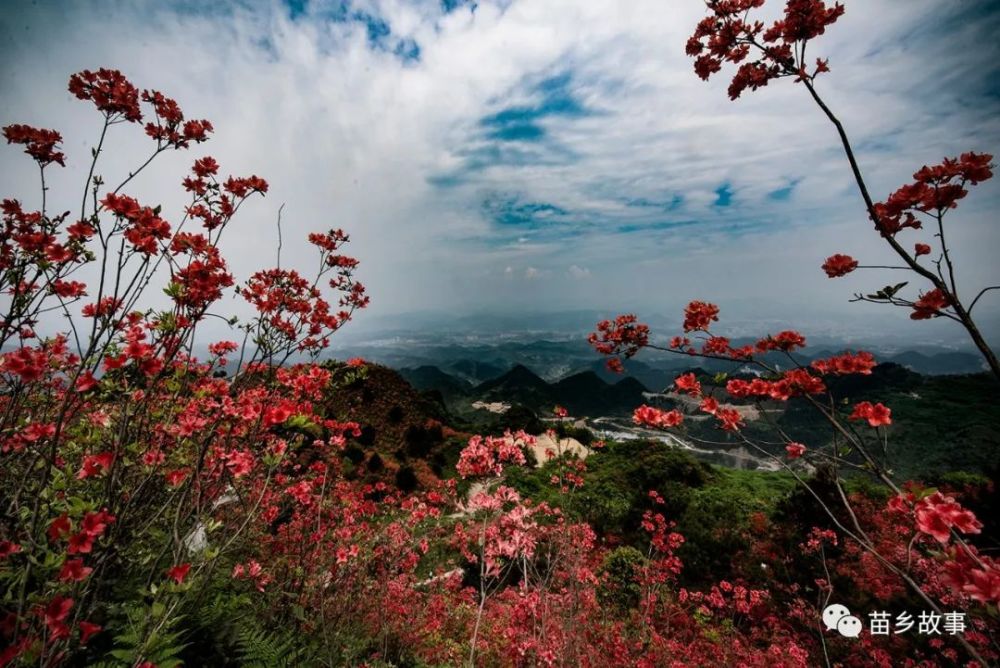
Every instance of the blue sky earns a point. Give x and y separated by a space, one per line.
532 155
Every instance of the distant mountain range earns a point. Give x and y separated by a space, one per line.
467 366
584 393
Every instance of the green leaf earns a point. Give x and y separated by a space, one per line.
899 286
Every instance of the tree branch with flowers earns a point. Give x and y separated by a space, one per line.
763 54
124 456
766 53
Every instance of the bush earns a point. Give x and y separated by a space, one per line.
618 576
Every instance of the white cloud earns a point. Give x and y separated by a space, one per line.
351 136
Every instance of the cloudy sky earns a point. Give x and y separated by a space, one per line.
532 154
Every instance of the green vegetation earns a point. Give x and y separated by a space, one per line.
711 506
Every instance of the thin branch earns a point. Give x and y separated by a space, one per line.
280 209
981 293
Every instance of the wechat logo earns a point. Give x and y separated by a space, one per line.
838 618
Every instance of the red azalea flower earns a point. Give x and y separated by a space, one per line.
614 365
929 304
625 335
795 450
937 514
8 548
55 613
983 585
688 383
110 92
839 265
80 230
80 543
95 465
876 414
59 527
73 570
86 382
178 573
699 315
848 363
94 524
38 143
206 166
174 478
87 630
730 419
654 417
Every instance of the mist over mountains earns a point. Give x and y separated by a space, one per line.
474 348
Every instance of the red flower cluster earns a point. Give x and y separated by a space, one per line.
179 572
202 280
929 305
54 615
726 35
654 417
32 364
935 190
92 527
212 206
110 92
688 383
730 419
94 465
698 316
625 336
196 429
486 456
102 309
973 574
245 186
839 265
170 129
145 227
847 363
73 570
795 450
786 341
877 415
8 548
794 382
937 514
27 238
292 308
38 143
